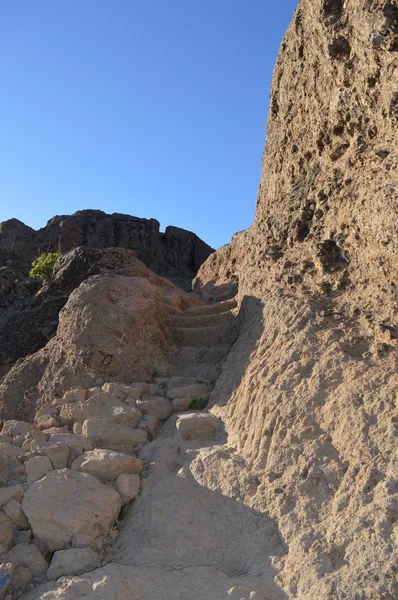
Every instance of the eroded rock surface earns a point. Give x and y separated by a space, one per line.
286 486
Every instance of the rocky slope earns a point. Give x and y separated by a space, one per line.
286 487
29 313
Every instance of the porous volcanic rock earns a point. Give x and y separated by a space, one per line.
306 394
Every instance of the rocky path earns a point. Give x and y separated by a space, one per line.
203 336
103 496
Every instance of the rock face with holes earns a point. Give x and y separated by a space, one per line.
306 393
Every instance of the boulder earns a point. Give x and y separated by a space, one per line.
107 465
28 556
151 425
6 528
57 452
73 561
14 428
35 434
46 422
197 426
14 511
71 509
77 394
130 342
157 406
128 486
100 406
121 391
8 493
109 435
47 409
77 444
11 467
37 467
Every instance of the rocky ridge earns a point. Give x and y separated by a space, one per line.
29 311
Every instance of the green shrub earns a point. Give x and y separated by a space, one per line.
199 403
43 266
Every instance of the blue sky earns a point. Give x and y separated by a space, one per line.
154 108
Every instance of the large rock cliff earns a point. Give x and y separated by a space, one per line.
307 392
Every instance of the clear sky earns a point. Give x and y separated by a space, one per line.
154 108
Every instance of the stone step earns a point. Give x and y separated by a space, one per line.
211 309
203 363
184 320
211 336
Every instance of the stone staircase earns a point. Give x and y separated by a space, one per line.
203 336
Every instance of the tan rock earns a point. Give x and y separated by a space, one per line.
151 425
157 406
107 465
73 562
55 431
37 467
35 434
77 443
67 508
28 556
100 406
177 382
14 511
108 435
191 391
11 451
128 486
134 391
8 493
47 421
5 532
57 452
11 467
5 439
197 426
77 428
93 391
47 409
77 394
180 404
13 428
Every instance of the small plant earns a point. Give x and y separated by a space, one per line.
43 266
199 403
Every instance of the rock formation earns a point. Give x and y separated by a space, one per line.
29 315
283 486
177 253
